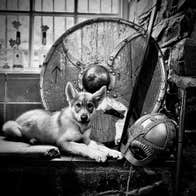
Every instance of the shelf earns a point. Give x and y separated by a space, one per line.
20 71
18 103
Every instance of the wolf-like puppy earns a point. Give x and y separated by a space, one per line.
68 129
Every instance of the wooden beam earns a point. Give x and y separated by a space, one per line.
182 82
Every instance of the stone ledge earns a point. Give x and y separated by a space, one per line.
71 175
81 177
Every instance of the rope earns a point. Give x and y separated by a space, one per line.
130 176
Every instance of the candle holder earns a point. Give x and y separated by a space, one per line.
44 29
14 43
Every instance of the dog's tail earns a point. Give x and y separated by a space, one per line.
12 129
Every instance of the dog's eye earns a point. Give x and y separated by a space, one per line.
78 105
90 106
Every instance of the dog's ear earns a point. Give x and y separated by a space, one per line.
70 92
99 95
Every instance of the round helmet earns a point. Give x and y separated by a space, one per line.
150 137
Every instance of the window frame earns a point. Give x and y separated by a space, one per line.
75 14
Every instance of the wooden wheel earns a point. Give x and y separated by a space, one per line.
115 44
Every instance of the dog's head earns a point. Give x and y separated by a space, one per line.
83 104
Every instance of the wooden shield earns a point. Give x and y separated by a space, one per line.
116 44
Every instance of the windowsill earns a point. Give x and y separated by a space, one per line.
25 70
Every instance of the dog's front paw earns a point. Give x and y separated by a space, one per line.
115 154
110 152
99 156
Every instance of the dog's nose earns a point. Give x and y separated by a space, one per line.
84 117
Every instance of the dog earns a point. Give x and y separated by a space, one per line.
67 129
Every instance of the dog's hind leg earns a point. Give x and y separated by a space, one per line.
12 129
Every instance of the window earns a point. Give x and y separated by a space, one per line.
30 27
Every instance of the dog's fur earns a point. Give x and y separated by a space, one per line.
68 129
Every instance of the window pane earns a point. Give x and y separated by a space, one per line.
2 4
70 22
10 28
106 6
2 32
44 5
24 39
38 5
11 35
24 5
59 5
37 41
94 6
48 20
70 5
37 32
115 6
83 5
98 6
40 50
24 30
47 5
3 56
89 6
15 4
12 4
60 26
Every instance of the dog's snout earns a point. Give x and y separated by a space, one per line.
84 117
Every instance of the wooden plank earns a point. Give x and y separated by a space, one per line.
53 87
22 90
110 38
72 42
89 43
103 127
